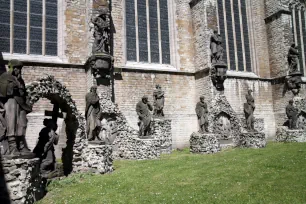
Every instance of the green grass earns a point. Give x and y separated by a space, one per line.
276 174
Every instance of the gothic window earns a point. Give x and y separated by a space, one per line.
147 31
299 32
233 27
28 27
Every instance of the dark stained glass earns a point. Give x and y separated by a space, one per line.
304 32
231 46
130 30
222 28
246 37
142 30
164 27
154 44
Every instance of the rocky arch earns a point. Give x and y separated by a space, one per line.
48 87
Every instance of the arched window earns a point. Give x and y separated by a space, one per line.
147 31
29 27
233 26
299 31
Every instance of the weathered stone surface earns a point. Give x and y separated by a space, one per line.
204 143
161 130
251 140
93 158
283 134
23 180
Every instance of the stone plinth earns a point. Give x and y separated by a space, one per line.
161 130
23 180
138 149
95 158
251 140
204 143
283 134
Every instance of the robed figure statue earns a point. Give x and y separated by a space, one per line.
159 100
92 114
202 113
143 109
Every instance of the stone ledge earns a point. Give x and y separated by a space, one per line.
283 134
204 143
251 140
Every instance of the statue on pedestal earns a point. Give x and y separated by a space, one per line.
13 96
216 48
143 109
202 113
292 114
249 108
45 147
159 100
92 114
293 59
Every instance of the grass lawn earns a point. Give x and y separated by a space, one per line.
276 174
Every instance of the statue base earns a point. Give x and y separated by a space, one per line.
284 134
204 143
23 180
251 140
161 130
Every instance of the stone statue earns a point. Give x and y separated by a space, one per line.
101 32
293 59
216 48
292 114
202 112
14 97
92 114
143 109
159 99
44 148
249 108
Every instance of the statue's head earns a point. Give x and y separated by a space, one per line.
93 89
290 101
15 67
144 99
202 98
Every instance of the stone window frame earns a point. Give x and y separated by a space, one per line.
296 7
60 58
174 57
253 57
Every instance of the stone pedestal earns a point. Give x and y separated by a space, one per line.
23 180
283 134
138 149
161 130
204 143
251 140
93 157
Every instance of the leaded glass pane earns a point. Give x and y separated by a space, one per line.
4 45
51 49
20 46
142 30
36 47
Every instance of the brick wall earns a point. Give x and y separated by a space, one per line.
179 100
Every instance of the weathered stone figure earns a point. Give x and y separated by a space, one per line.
159 100
202 112
293 59
45 147
292 114
249 108
92 113
101 32
143 109
13 95
216 48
